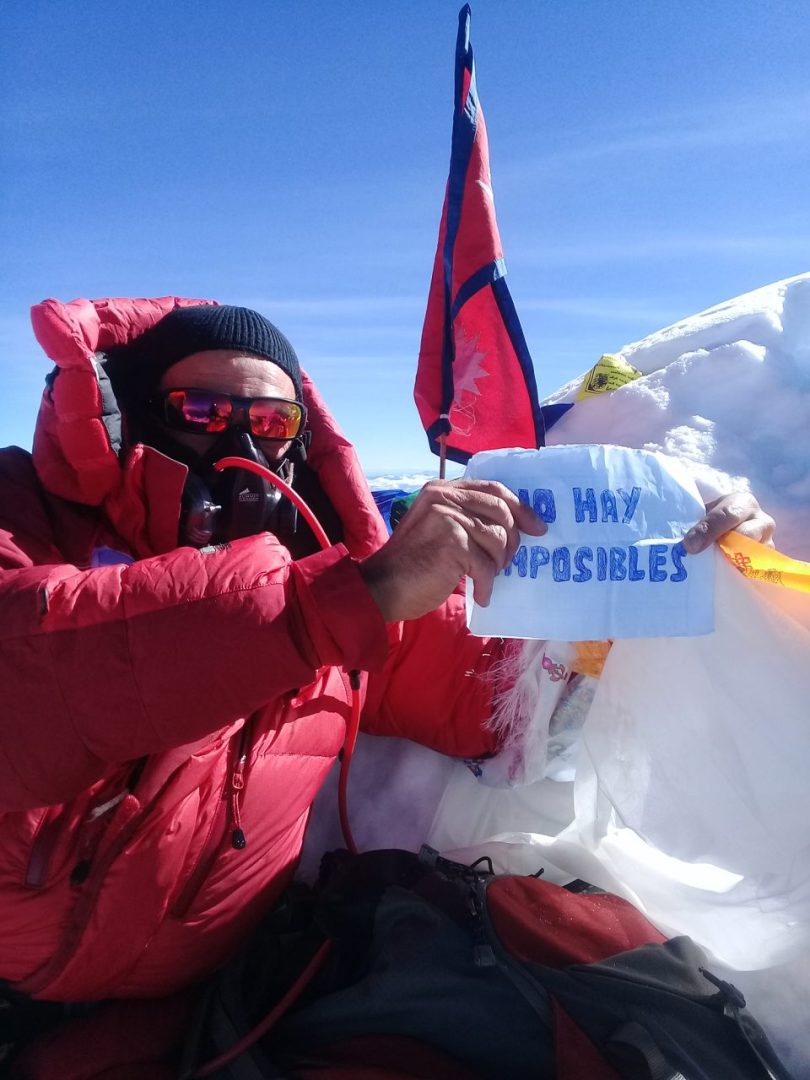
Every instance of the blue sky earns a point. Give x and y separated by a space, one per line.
648 160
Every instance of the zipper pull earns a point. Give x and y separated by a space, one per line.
78 875
483 954
81 868
90 833
238 838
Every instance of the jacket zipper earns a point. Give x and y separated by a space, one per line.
45 841
208 855
130 814
42 848
85 902
228 813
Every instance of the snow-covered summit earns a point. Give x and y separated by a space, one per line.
727 390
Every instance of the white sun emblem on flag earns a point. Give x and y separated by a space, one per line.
468 368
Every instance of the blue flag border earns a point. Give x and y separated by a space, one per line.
465 122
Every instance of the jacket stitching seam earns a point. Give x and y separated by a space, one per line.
297 754
21 779
67 709
127 618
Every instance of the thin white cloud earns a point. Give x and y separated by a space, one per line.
329 307
339 308
408 481
363 338
365 364
606 308
663 246
750 123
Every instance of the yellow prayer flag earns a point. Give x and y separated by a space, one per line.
762 563
608 373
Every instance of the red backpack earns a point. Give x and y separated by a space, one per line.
426 968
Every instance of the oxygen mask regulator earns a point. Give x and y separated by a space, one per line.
218 507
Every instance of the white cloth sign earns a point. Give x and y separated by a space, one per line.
611 564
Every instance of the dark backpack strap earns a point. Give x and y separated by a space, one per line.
632 1040
576 1055
752 1031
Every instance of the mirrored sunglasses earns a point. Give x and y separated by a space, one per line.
209 411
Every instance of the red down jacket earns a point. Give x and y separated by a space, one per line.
147 706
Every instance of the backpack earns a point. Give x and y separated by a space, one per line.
428 968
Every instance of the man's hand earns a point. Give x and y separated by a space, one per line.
732 513
454 527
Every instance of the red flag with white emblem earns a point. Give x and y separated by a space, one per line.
475 387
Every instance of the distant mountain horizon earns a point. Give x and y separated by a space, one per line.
406 481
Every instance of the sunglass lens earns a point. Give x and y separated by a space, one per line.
200 411
275 419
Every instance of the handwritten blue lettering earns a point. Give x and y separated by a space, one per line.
561 564
543 503
583 572
601 564
614 563
633 572
609 511
618 569
539 557
658 559
630 502
678 555
520 561
583 503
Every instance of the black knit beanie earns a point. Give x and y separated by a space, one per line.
136 369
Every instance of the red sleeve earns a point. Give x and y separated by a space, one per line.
437 685
115 663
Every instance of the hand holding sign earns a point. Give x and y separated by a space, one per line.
454 528
613 564
739 512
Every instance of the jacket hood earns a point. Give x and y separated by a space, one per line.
78 454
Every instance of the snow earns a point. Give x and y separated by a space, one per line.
727 391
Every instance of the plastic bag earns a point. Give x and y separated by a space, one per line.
691 795
692 787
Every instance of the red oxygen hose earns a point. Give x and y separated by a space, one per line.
354 676
275 1014
284 488
348 750
352 728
